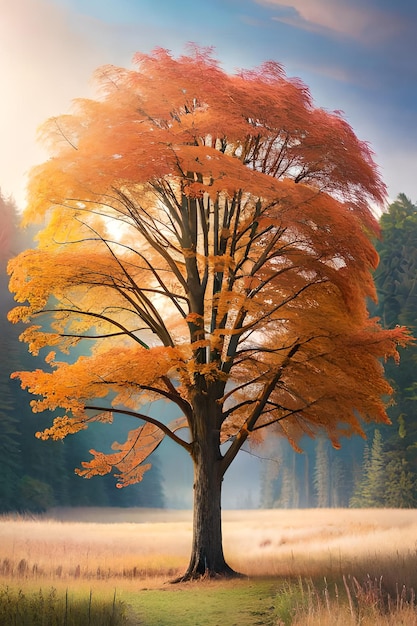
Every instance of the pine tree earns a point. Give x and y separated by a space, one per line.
401 485
269 475
337 482
322 473
286 494
371 490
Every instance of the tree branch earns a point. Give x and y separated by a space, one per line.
250 423
146 418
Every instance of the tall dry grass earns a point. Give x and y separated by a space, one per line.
142 543
351 604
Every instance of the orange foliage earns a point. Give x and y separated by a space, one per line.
211 236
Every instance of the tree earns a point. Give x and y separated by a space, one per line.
8 228
400 487
322 479
360 495
396 275
210 236
396 283
370 491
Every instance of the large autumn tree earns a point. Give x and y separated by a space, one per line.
210 236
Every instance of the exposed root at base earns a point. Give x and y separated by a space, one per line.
207 575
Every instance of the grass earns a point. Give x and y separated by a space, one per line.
273 602
209 603
49 607
303 568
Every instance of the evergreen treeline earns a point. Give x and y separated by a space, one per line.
389 467
319 477
34 474
381 472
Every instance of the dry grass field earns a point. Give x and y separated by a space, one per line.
146 544
365 555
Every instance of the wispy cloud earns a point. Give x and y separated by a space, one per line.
336 17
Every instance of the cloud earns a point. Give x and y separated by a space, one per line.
336 17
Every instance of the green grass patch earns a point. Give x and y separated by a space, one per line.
222 603
49 607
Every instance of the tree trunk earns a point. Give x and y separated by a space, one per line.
207 558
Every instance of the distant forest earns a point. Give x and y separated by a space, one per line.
36 475
378 472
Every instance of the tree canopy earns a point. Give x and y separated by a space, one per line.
210 237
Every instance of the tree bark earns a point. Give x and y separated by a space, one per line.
207 558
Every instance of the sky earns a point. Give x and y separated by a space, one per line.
357 56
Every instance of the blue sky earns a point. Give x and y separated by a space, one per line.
359 56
